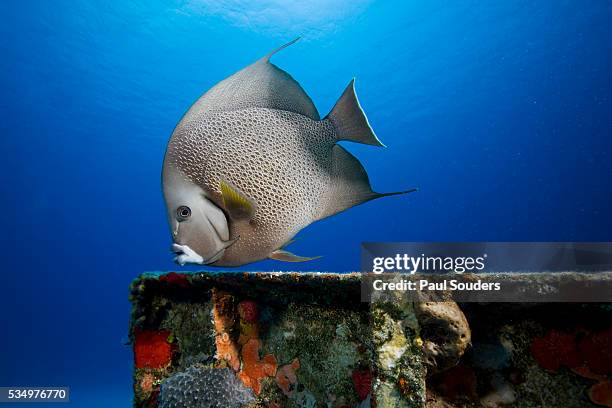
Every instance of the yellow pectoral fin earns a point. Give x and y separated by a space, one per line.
235 203
286 256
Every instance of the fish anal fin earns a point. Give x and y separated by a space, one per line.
286 256
350 184
350 121
235 202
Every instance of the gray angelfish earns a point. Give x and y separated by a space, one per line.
251 164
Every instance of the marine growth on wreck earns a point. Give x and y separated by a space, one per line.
301 340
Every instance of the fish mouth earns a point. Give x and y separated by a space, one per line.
185 255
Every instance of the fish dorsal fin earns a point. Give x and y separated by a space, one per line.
350 121
235 203
260 85
350 185
269 55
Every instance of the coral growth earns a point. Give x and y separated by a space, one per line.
152 349
596 349
328 343
585 372
249 325
175 279
286 377
223 316
223 311
248 311
254 368
457 382
146 383
574 349
398 352
587 354
362 380
199 387
556 349
227 350
403 385
188 322
445 332
601 393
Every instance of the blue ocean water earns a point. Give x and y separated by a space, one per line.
499 112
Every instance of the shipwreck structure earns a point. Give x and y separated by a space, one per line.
307 340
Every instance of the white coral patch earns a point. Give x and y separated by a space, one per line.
392 350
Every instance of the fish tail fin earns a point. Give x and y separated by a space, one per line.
393 193
350 121
350 184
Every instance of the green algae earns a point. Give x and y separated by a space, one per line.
329 344
192 328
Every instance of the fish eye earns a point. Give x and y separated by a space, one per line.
183 212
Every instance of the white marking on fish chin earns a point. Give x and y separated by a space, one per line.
188 255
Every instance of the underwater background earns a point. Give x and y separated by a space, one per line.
500 112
